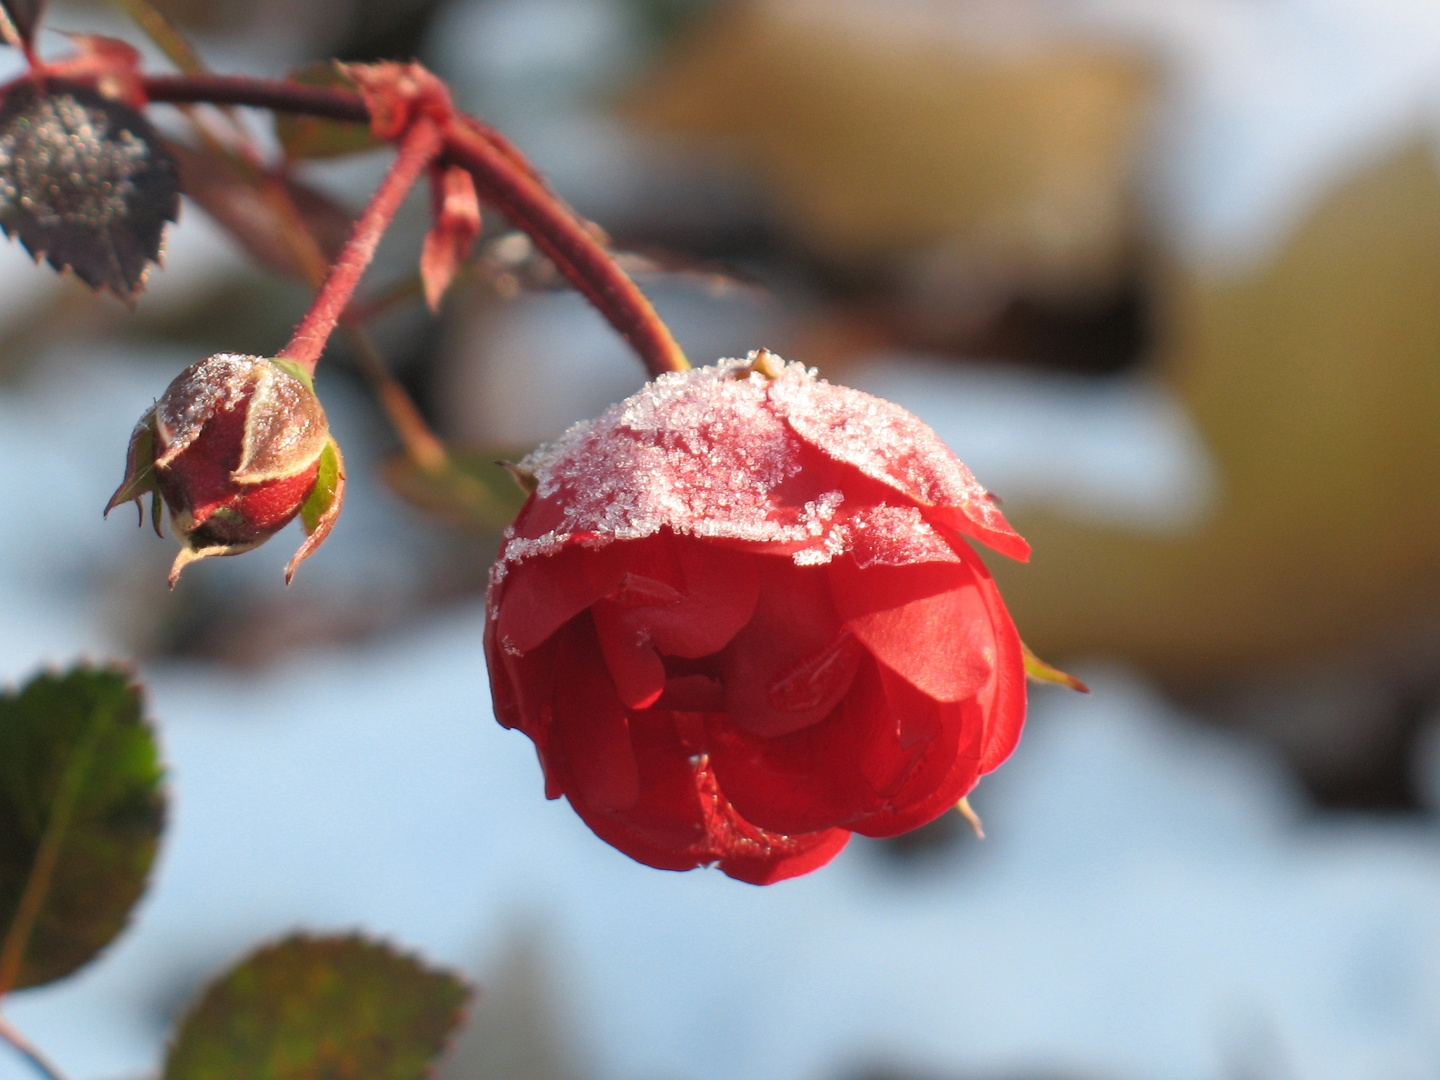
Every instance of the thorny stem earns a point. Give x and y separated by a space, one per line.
27 1050
502 176
417 149
575 252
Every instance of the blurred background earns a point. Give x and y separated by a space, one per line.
1166 275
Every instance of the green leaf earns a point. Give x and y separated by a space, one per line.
318 137
337 1008
470 488
81 811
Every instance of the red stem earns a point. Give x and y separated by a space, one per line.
278 94
576 254
419 145
502 176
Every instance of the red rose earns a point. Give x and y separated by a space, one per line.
739 621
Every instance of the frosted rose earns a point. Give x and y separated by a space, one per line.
740 621
236 448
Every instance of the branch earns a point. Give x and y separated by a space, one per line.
418 147
503 178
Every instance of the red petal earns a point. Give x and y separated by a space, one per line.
686 596
1003 701
590 729
929 622
889 444
634 665
801 855
942 770
819 776
540 594
794 661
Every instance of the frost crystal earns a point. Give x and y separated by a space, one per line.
723 452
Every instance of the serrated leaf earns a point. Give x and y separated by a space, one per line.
26 16
316 136
85 182
471 488
306 1008
81 811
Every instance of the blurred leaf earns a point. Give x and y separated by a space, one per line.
26 15
85 182
80 816
315 136
470 488
165 34
338 1008
235 199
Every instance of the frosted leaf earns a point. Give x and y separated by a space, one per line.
84 181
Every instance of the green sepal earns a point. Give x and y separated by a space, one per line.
139 466
1040 671
295 371
323 493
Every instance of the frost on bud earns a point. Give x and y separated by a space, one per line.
235 448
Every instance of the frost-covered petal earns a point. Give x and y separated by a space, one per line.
895 447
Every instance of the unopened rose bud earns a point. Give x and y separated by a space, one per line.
236 447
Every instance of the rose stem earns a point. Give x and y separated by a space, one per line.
418 146
502 176
27 1050
576 254
421 444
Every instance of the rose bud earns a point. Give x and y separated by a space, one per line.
741 619
236 447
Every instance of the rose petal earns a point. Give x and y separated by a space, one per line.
634 665
686 597
889 444
539 595
794 660
819 776
798 855
590 729
942 769
1003 701
929 622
